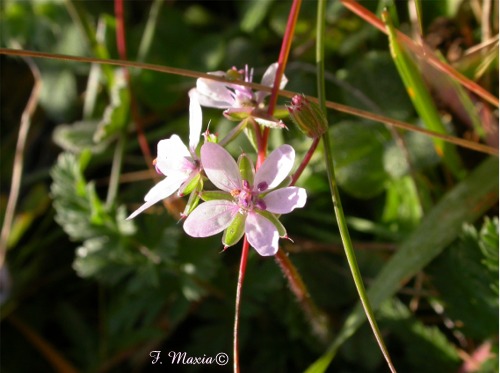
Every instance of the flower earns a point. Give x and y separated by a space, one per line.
178 163
223 95
249 200
307 115
239 101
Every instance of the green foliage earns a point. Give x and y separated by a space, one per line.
104 291
466 276
358 154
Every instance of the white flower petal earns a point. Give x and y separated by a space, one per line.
261 234
276 167
162 190
210 218
285 200
220 167
268 79
270 75
172 157
195 120
213 93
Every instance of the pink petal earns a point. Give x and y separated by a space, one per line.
276 167
285 200
162 190
213 93
210 218
220 167
261 234
195 120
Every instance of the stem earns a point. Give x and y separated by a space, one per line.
116 169
337 205
318 319
17 168
239 288
282 60
349 251
305 161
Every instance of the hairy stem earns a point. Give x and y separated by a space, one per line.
239 288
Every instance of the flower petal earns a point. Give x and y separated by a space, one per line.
285 200
276 167
261 234
174 157
220 167
162 190
268 79
213 93
195 120
210 218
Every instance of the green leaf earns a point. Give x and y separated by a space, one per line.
464 203
115 118
425 348
374 84
78 136
358 151
421 98
466 285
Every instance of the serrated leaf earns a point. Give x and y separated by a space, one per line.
466 286
115 118
78 136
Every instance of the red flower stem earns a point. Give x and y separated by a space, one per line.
282 60
120 30
318 319
306 160
121 46
239 288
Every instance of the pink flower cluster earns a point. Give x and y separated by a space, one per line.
247 201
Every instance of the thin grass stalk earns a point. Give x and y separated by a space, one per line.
337 205
284 93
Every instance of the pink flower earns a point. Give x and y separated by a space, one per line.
177 162
246 205
224 95
239 101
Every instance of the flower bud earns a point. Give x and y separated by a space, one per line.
308 116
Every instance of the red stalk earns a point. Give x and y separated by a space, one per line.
239 288
282 60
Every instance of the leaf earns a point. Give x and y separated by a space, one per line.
421 98
466 284
78 136
376 86
115 118
423 348
464 203
358 155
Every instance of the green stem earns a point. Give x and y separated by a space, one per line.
337 205
116 169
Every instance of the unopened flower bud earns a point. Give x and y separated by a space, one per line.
308 116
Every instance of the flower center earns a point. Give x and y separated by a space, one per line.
247 199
